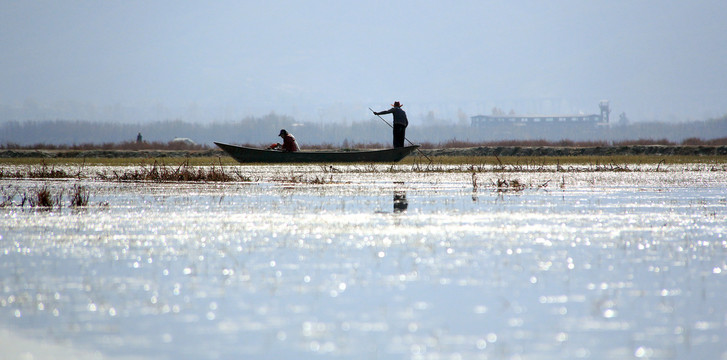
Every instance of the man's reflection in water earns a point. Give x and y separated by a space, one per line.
400 202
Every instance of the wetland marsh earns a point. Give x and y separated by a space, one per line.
452 261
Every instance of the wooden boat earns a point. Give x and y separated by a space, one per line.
252 155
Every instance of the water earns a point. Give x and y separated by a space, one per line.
372 263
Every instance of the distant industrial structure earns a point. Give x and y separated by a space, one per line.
595 119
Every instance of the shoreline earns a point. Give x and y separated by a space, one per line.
514 151
565 151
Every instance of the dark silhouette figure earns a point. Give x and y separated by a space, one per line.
400 123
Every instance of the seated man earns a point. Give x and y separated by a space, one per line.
289 143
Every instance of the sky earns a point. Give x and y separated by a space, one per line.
330 60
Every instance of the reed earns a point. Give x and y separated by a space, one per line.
45 171
43 198
80 196
160 172
8 195
9 174
301 179
513 185
503 185
40 170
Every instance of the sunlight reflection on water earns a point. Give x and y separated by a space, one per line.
377 264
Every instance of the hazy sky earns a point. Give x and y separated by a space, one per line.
653 59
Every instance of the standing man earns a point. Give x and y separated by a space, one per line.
400 123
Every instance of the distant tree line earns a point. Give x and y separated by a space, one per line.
260 131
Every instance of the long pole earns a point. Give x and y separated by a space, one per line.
410 143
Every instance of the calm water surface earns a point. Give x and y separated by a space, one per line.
372 263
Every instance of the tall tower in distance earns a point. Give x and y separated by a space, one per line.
605 110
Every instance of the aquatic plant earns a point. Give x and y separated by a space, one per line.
8 194
39 171
513 185
159 172
612 167
80 196
503 185
9 174
42 197
43 171
300 179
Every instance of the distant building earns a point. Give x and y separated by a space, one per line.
596 119
185 141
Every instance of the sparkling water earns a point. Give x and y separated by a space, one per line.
371 262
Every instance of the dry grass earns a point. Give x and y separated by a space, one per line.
38 171
43 198
159 172
126 145
80 196
309 180
8 194
45 171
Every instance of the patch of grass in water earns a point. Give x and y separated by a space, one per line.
300 179
80 196
512 185
42 197
39 171
160 172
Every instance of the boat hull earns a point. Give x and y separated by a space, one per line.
252 155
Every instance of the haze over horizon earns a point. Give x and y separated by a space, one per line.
328 61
